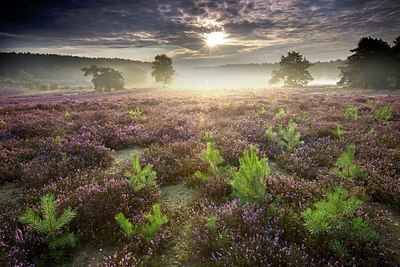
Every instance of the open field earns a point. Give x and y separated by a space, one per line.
77 145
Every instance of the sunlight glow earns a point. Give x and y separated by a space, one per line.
215 38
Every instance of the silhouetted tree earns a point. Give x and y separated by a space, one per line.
104 78
396 68
162 69
293 70
371 65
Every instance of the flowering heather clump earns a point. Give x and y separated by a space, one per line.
59 160
97 202
248 235
174 162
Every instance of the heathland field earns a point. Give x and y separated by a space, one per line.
233 178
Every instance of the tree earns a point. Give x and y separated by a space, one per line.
293 70
371 65
104 78
162 69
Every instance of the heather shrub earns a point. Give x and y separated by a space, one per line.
51 225
60 160
248 183
243 235
231 146
174 162
96 203
140 177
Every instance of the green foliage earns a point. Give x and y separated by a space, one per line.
351 113
141 177
155 220
51 225
345 167
53 86
248 183
339 131
288 138
262 112
212 157
67 114
64 156
125 224
208 137
332 212
137 115
384 114
104 78
373 64
162 69
293 70
337 216
280 113
57 139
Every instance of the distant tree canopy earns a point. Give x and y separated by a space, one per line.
61 67
373 64
104 78
162 69
293 70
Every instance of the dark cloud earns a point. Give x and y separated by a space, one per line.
253 27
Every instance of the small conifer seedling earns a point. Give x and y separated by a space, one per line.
248 183
140 177
51 225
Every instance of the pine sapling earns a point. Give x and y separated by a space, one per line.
345 166
141 177
155 219
212 157
51 225
248 183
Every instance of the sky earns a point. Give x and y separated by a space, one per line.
254 31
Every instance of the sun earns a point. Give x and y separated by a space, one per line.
215 38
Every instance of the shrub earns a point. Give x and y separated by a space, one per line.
288 138
140 178
280 113
384 114
262 112
351 113
248 182
137 115
97 201
243 235
174 162
50 225
154 218
350 238
345 167
212 158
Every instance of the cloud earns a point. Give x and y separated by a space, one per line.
253 27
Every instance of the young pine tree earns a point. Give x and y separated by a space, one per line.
141 177
212 157
248 183
51 225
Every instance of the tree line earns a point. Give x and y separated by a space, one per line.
374 64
